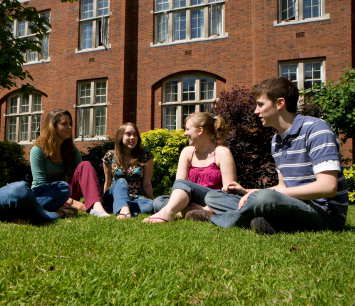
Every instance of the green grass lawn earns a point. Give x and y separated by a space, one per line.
93 261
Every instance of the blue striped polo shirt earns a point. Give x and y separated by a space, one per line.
303 152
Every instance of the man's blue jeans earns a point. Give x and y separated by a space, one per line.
284 213
196 193
118 196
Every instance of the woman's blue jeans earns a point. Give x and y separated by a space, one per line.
17 200
284 213
118 196
196 193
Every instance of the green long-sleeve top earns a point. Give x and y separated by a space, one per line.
45 171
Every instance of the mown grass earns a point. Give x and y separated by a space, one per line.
92 261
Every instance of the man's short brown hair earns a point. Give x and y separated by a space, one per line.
278 88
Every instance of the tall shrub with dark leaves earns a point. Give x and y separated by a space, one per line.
248 140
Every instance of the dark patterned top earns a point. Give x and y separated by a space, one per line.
134 174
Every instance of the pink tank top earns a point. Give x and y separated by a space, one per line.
209 176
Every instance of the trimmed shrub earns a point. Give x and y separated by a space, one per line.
349 174
166 147
13 166
248 140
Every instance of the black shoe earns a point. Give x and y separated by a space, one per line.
198 215
261 226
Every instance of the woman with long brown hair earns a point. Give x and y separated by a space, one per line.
128 173
55 160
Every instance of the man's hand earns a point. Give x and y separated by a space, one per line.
235 188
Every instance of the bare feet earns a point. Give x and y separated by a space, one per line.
76 204
124 213
160 217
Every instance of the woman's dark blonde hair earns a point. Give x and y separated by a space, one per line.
214 125
49 140
137 151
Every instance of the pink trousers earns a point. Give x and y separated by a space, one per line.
84 183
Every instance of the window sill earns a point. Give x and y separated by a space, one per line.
38 62
308 20
97 138
179 42
101 48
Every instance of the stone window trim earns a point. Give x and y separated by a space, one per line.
299 18
38 57
90 107
300 71
99 40
30 113
188 8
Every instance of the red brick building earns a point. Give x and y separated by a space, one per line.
155 61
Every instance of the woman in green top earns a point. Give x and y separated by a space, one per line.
55 160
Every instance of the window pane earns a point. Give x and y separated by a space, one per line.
206 107
86 9
289 71
194 2
84 93
102 8
31 56
171 91
100 92
83 128
169 117
161 5
86 35
197 23
35 126
187 110
11 128
179 26
44 48
311 8
21 28
12 106
36 103
100 121
188 89
206 89
287 9
162 27
24 104
215 21
312 74
179 3
24 128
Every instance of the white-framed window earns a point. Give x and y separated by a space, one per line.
184 95
298 10
304 73
23 117
21 29
187 20
94 24
91 108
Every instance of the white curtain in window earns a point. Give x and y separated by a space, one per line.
215 16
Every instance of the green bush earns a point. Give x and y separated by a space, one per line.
13 166
166 147
349 174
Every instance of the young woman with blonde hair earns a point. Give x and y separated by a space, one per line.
128 173
204 165
56 162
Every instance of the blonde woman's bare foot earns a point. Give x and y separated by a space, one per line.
124 213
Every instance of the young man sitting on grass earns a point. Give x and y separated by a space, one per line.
311 192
